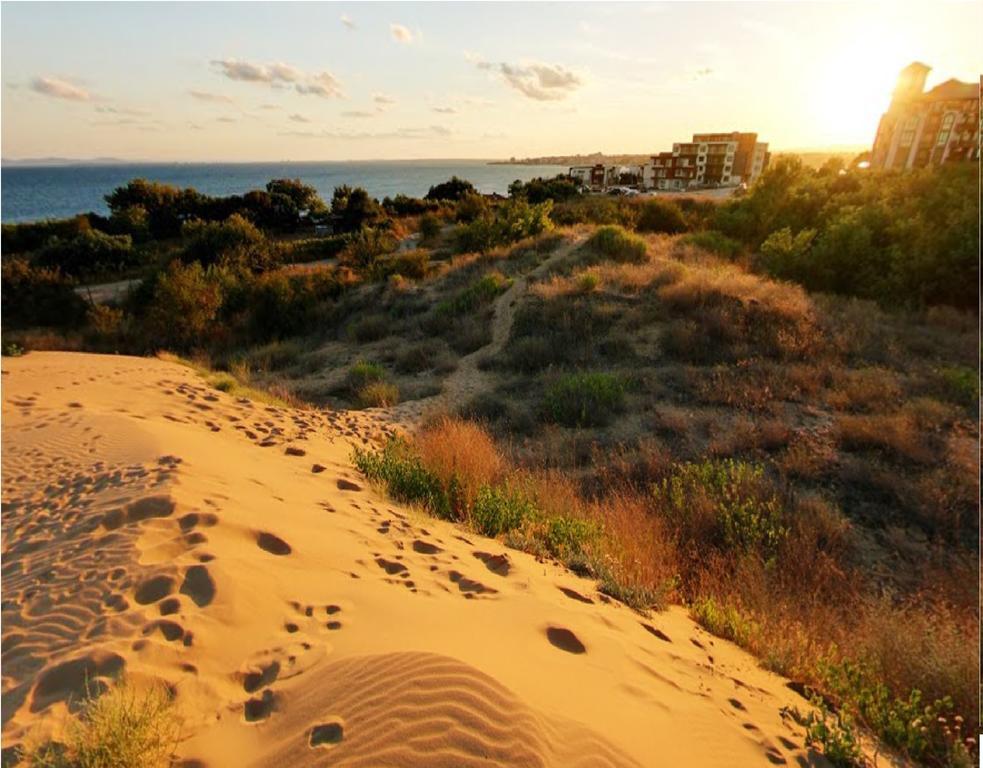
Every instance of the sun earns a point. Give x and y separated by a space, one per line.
854 84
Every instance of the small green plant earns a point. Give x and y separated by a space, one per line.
362 373
661 216
588 282
616 244
122 728
482 291
715 242
723 621
584 399
13 350
498 510
400 470
835 733
730 498
961 384
378 394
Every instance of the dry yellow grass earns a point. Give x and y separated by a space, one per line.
452 448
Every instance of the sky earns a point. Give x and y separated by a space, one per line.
355 81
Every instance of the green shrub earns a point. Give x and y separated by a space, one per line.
723 621
835 733
470 207
235 242
378 394
122 728
961 385
362 373
482 291
923 731
405 263
715 242
369 328
34 296
181 314
511 222
584 399
657 215
401 471
728 504
615 244
500 509
365 246
452 189
430 227
90 253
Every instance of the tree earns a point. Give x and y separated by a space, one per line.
353 209
453 189
38 296
235 242
185 302
91 252
304 197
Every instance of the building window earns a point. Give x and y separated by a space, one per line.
908 131
945 129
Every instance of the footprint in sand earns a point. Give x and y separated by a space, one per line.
498 564
347 485
470 587
565 640
327 734
260 708
198 585
272 544
154 589
656 632
575 595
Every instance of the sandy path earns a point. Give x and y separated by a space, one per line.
468 380
227 547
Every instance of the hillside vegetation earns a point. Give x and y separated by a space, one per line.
765 409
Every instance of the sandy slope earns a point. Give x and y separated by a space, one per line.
154 525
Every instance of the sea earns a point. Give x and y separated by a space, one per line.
33 192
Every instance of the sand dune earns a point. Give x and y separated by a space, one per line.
155 526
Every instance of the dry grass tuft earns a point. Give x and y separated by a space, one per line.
453 448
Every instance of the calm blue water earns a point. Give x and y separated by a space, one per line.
30 193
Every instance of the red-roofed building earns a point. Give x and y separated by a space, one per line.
923 128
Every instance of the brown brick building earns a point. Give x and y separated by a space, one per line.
922 128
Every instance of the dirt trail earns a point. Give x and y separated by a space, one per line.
468 380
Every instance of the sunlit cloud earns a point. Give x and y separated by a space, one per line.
401 34
324 85
542 82
360 113
207 96
127 111
226 120
347 21
383 99
59 89
445 110
298 118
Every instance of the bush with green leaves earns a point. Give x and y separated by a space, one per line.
925 731
398 467
511 221
498 510
34 296
901 239
411 264
659 215
452 189
185 302
430 227
727 504
616 244
353 209
584 399
715 242
482 291
90 253
723 620
235 242
365 246
539 190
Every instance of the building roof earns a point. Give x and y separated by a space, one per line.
953 90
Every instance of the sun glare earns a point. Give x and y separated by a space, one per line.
854 86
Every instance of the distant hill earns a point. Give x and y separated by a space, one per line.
568 160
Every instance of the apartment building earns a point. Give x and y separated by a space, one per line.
709 160
923 128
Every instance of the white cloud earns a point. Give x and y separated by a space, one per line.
401 34
383 99
445 110
59 89
127 111
226 120
542 82
214 98
347 21
298 118
324 85
360 113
